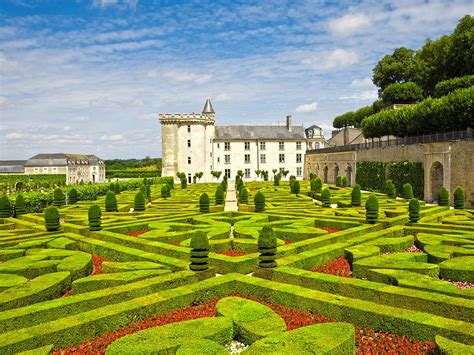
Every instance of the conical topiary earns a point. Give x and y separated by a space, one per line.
459 198
259 201
356 196
165 191
318 185
219 196
58 198
443 197
110 202
94 214
414 210
390 189
72 196
148 192
372 209
184 182
295 188
5 207
199 252
244 196
276 179
326 197
117 188
20 205
267 246
407 191
51 219
139 202
345 181
339 181
204 203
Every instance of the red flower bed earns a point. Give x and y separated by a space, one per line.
287 242
232 252
330 230
97 264
338 267
68 293
136 233
368 341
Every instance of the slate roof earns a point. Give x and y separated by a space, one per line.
62 159
259 132
12 166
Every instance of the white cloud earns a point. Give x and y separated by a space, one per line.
149 116
16 135
362 83
349 24
112 138
188 77
333 59
222 97
123 4
367 95
307 107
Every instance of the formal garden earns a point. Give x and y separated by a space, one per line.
149 266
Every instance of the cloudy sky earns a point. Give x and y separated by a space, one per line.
90 76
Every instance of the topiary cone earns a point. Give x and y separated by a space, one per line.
94 214
244 196
51 219
199 252
459 198
259 201
204 203
5 207
407 191
356 196
372 209
326 197
267 246
414 210
443 197
219 196
165 191
58 198
139 202
20 205
72 196
110 202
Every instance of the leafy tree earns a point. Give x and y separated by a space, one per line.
402 93
267 246
407 191
199 175
244 196
460 56
356 196
139 202
259 201
326 197
219 196
394 68
445 87
58 198
372 209
110 202
414 210
5 207
204 203
216 174
199 252
459 198
51 219
20 205
72 196
443 197
94 214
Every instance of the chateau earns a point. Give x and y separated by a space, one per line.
193 143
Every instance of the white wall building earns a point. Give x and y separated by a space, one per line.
192 143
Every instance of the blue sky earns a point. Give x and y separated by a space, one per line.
90 76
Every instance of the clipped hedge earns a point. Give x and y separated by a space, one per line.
447 86
51 219
370 175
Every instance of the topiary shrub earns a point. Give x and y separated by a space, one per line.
165 191
118 189
414 210
58 198
51 219
94 213
318 185
459 198
267 246
407 191
339 181
184 182
143 190
110 202
238 182
219 196
326 197
443 197
372 209
139 202
72 196
295 188
199 252
402 93
345 181
5 207
204 203
224 183
244 196
356 196
259 201
276 179
20 205
390 189
148 192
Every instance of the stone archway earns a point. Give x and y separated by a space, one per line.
326 170
349 175
336 172
436 179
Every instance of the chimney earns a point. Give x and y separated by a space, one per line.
289 123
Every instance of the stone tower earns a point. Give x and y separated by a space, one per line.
187 142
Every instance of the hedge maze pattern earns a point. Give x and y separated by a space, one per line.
59 289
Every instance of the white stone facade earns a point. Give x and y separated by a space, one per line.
192 143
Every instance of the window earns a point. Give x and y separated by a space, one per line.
227 158
247 173
247 145
56 169
36 170
298 145
45 169
227 173
299 170
189 129
282 158
189 160
262 146
189 143
218 145
282 170
247 158
218 159
298 158
263 158
281 145
189 178
226 145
